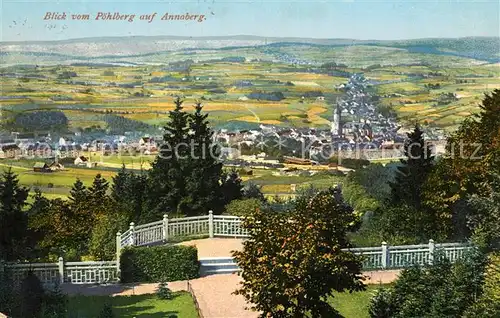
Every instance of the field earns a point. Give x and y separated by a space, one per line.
145 93
57 184
134 306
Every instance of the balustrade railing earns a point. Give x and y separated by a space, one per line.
101 272
159 232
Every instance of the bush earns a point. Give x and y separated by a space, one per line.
54 303
31 296
439 290
163 292
380 306
243 207
159 263
350 163
106 311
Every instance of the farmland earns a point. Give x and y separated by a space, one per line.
414 85
283 84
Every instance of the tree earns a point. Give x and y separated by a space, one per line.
293 261
486 212
488 304
186 175
439 290
31 295
203 167
102 244
54 303
167 183
66 231
232 187
128 191
413 172
243 207
13 220
253 191
473 157
38 208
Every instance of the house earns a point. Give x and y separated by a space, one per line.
230 153
71 151
40 149
9 151
56 166
41 167
81 161
298 161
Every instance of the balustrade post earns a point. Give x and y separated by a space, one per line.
385 255
211 224
132 233
165 227
61 270
118 251
431 251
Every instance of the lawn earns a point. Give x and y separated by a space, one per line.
181 306
354 305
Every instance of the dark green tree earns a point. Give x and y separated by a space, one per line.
13 219
167 179
54 303
128 191
485 214
439 290
412 174
38 208
253 191
186 175
31 297
203 168
232 186
78 193
98 189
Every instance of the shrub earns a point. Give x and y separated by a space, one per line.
243 207
54 303
31 296
380 306
106 311
159 263
163 292
440 290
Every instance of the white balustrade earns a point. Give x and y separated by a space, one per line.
67 272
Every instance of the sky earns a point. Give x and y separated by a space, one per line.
381 20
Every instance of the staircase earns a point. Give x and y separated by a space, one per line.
217 265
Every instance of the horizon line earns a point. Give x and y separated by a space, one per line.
246 35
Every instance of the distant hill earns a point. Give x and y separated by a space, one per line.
105 49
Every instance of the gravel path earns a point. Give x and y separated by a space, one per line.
215 247
214 295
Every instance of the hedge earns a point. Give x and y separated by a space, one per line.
159 263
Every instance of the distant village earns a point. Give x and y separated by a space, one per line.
357 131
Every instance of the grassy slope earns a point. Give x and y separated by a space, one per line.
134 306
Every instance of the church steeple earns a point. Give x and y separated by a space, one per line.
336 127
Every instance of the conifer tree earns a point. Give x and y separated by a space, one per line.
13 220
413 172
167 186
203 168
